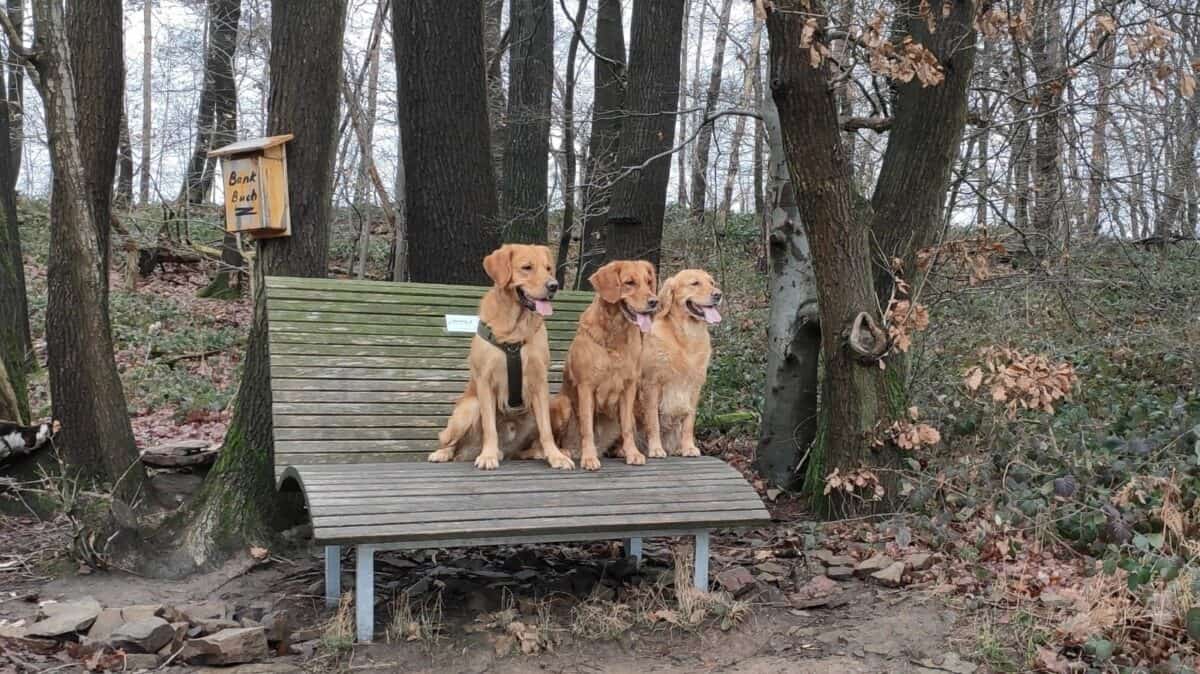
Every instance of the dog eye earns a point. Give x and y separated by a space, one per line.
695 283
630 282
527 267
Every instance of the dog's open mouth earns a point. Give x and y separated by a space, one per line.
707 313
642 320
542 307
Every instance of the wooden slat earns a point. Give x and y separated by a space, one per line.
457 352
407 323
279 383
432 290
284 459
389 503
541 479
508 515
558 339
407 310
597 524
428 434
391 374
401 407
561 303
321 494
433 365
319 399
675 466
298 447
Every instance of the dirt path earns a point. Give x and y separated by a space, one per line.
871 629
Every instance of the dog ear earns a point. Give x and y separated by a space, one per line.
498 265
666 297
545 250
653 274
607 282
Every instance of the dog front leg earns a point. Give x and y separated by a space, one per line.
687 436
489 457
628 442
587 432
651 395
541 412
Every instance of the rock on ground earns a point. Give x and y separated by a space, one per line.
146 635
66 618
227 647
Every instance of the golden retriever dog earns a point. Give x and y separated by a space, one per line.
675 362
513 308
599 391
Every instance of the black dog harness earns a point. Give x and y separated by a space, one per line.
512 361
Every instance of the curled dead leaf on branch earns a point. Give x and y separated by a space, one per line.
994 21
905 318
1021 381
859 482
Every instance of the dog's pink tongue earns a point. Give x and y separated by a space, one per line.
711 315
643 322
544 308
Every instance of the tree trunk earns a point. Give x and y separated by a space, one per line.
739 129
568 144
237 500
704 140
1047 164
1021 149
855 397
123 198
16 350
80 59
789 422
16 96
527 157
398 264
10 406
607 115
451 189
495 43
147 57
681 156
638 202
923 143
216 118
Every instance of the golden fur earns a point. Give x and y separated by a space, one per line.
596 404
674 362
523 277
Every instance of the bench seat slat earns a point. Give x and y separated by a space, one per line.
312 414
596 525
479 516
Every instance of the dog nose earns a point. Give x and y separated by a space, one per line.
552 285
652 302
716 296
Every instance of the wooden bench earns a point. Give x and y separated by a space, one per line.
363 377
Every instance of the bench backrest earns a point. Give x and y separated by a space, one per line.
368 371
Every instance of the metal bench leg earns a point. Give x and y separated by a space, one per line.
633 548
700 562
364 589
333 575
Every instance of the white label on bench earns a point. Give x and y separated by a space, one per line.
457 323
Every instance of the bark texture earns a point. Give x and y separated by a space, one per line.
147 118
923 143
450 186
16 352
216 118
1047 154
527 154
81 67
638 202
609 79
238 497
789 422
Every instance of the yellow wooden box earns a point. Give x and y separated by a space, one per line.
256 186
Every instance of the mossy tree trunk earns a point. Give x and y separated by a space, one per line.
16 352
81 70
858 397
789 421
237 502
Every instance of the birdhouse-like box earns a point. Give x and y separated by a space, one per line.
256 186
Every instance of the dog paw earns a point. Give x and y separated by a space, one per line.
689 451
487 461
562 462
442 455
590 463
635 458
657 453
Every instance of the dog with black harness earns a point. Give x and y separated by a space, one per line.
506 405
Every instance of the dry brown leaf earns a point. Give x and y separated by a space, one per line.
258 553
